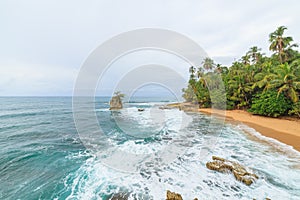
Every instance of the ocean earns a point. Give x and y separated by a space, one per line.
141 154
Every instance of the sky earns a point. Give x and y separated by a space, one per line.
43 44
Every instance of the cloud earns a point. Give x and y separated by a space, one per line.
59 35
34 79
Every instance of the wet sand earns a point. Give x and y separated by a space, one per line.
283 130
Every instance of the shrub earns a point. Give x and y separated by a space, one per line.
270 104
295 109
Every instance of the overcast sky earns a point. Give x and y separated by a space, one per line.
44 43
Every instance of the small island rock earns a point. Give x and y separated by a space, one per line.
115 103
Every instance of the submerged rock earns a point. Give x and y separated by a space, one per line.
120 196
227 166
173 196
115 103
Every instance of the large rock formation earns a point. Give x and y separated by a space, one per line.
227 166
115 103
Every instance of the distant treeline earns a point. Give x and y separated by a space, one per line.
263 85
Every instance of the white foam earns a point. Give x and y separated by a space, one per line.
273 142
102 109
187 173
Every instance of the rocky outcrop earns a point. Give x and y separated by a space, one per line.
166 107
227 166
186 106
173 196
170 106
115 103
189 107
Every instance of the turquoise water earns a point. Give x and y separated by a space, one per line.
42 156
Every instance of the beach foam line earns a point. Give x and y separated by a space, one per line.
271 141
283 130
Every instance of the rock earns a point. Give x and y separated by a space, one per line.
189 107
165 107
218 158
170 106
120 196
115 103
186 106
141 109
173 196
227 166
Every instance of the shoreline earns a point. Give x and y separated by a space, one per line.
283 130
286 131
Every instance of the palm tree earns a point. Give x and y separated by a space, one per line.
202 92
119 95
264 76
245 59
192 71
240 91
239 84
250 77
280 44
189 94
208 64
200 72
221 69
255 54
263 80
286 81
290 53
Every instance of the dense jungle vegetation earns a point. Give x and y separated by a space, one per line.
260 84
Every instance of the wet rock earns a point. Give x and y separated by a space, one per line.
173 196
115 103
120 196
189 107
227 166
141 109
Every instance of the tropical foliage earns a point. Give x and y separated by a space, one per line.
270 104
264 85
119 95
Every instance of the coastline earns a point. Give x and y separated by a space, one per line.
283 130
286 131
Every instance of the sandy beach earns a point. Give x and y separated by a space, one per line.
283 130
